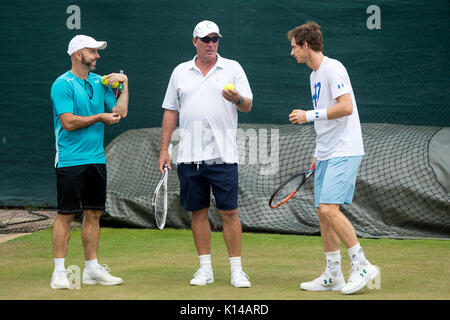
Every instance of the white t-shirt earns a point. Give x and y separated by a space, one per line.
339 137
207 121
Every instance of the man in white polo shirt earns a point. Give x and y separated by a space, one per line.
207 152
338 154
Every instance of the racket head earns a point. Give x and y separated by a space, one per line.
289 188
159 203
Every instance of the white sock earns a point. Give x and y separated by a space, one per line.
205 261
334 262
59 264
235 263
356 253
91 264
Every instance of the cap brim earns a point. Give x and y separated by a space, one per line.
99 45
201 35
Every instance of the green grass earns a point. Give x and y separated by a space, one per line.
158 265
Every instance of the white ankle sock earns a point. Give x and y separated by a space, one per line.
334 262
356 253
59 264
235 264
90 264
205 261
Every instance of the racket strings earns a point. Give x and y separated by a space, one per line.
288 190
159 205
160 202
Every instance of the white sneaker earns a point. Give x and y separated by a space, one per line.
100 275
361 273
240 279
59 280
326 282
202 277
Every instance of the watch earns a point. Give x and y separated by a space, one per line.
240 100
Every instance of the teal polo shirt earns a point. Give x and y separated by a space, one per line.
71 94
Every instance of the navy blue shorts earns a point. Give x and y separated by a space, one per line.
196 182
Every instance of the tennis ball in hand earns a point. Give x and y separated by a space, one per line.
229 86
105 82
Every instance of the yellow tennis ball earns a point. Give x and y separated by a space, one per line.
105 82
229 86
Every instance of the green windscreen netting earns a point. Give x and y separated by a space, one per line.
397 193
396 57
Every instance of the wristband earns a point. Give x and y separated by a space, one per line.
314 115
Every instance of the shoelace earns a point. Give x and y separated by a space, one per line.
206 272
105 267
242 273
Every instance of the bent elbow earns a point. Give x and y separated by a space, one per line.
349 109
249 108
67 126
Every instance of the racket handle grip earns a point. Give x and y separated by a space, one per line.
121 84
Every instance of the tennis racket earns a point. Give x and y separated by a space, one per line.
289 188
159 203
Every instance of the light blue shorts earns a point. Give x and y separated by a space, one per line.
334 180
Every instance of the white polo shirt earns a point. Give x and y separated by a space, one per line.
338 137
207 121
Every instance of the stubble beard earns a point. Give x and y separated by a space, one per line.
90 64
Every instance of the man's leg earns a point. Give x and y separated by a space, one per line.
90 233
362 269
341 227
232 234
94 273
201 230
332 279
93 199
61 235
232 231
330 239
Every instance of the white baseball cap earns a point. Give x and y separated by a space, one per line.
202 29
81 41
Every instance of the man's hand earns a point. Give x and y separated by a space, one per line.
164 159
113 78
110 118
231 95
313 163
297 116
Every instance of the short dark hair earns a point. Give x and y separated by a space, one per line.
309 33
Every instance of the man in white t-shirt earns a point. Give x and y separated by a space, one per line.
207 152
338 154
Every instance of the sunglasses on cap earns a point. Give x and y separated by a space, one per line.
208 39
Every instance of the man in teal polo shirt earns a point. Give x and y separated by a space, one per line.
82 105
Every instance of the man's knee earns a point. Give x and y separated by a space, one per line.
328 211
229 215
92 214
65 219
200 215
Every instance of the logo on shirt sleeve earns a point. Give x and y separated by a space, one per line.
340 85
